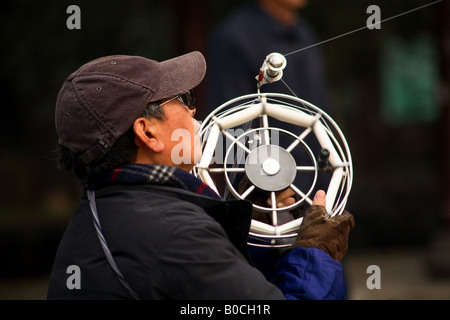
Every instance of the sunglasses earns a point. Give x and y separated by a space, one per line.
186 98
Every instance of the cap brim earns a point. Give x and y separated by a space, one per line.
180 74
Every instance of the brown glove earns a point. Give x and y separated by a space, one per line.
319 230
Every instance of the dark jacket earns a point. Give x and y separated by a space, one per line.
171 243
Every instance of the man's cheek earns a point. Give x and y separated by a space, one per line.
182 151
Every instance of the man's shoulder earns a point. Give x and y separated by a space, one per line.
148 195
154 202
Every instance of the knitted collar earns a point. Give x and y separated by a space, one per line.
156 174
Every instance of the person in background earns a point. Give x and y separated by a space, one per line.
239 45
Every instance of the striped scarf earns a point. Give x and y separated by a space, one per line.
156 174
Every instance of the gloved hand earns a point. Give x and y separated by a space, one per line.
319 230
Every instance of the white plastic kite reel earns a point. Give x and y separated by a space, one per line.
239 142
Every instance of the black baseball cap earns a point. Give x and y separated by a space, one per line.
100 101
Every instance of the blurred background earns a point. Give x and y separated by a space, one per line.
390 91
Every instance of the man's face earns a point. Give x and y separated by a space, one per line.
179 133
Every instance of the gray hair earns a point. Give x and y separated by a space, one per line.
153 110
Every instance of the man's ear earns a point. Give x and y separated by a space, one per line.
146 134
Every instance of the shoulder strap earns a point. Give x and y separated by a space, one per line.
101 237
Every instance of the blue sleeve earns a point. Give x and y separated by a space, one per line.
310 274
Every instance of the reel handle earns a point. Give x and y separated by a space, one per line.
271 69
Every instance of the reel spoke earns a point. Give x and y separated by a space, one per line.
306 168
247 192
233 139
222 170
265 125
273 199
299 138
301 194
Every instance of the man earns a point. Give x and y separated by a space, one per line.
145 227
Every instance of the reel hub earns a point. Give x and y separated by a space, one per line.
270 168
